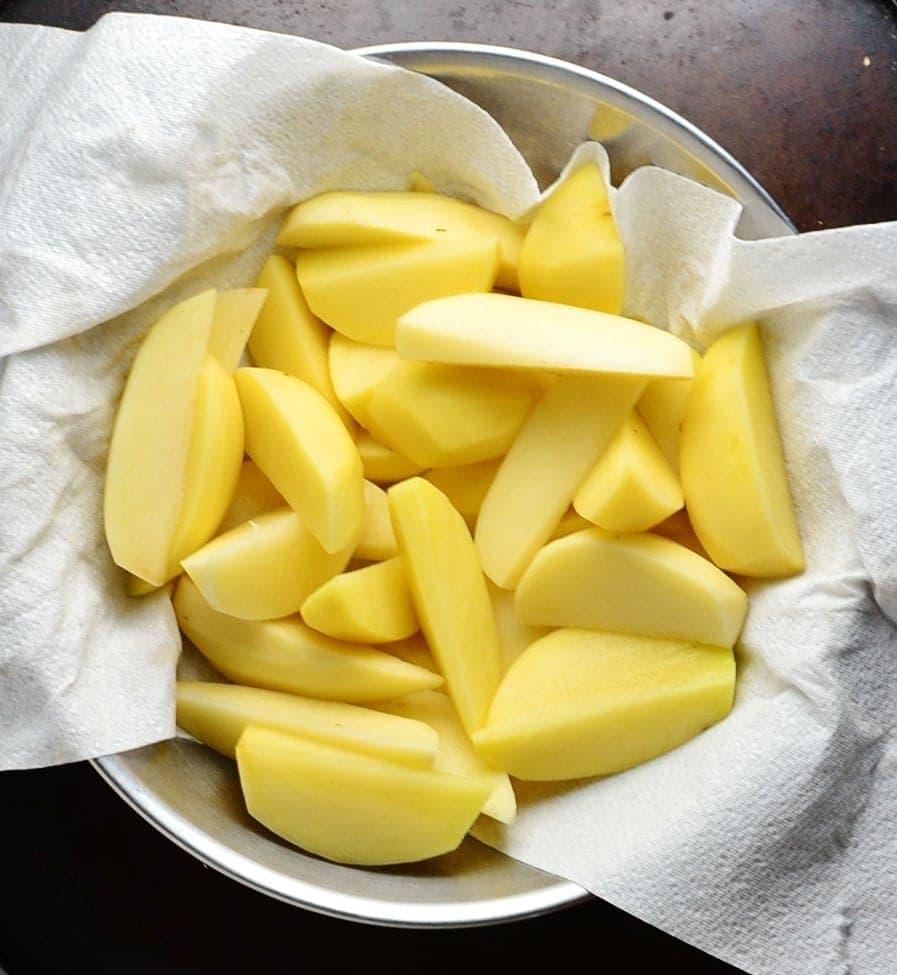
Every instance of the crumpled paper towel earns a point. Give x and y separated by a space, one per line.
150 148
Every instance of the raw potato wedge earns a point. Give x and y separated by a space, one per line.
572 252
440 416
213 462
450 595
560 441
571 521
235 315
415 651
678 527
382 464
353 808
254 495
362 291
455 753
632 486
288 337
583 702
286 655
504 330
662 407
636 583
148 453
298 441
217 714
356 369
733 466
514 636
369 605
377 540
265 568
466 486
345 219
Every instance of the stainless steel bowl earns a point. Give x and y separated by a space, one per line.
190 793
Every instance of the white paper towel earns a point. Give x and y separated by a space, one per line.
152 154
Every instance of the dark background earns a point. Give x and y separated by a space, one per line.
803 93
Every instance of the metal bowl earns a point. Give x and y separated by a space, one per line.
190 793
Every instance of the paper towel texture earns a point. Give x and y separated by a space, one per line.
150 158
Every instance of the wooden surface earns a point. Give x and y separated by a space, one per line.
803 93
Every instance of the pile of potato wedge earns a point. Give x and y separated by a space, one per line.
459 522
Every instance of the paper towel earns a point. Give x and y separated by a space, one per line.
152 154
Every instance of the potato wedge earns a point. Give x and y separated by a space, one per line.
638 583
296 438
236 312
286 655
217 714
353 808
583 702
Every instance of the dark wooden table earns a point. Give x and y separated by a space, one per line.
804 93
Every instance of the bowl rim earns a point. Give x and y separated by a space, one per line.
557 893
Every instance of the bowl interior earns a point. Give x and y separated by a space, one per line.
189 792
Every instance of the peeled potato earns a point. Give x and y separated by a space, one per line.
217 714
662 407
356 369
634 583
354 808
254 495
369 605
288 337
572 252
444 575
561 439
148 454
455 753
382 464
377 540
213 463
362 291
733 465
632 486
235 314
466 486
264 568
297 439
507 331
584 702
287 655
345 219
440 416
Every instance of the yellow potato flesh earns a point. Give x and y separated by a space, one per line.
632 486
414 650
148 453
356 369
369 605
636 583
288 337
213 462
362 291
733 466
341 219
449 593
265 568
353 808
678 527
572 252
466 486
298 441
662 407
583 702
514 636
571 521
217 714
254 495
504 330
286 655
382 464
377 540
440 416
561 439
235 314
455 753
